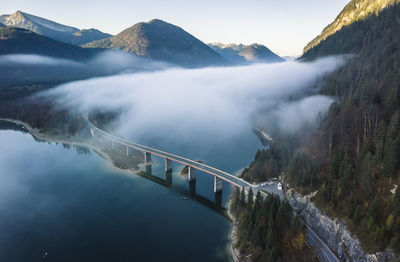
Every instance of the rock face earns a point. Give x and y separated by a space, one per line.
162 41
246 53
353 11
334 232
45 27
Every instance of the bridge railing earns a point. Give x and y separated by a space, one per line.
176 158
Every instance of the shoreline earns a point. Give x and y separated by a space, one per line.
45 138
234 252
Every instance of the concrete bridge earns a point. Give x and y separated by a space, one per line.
192 165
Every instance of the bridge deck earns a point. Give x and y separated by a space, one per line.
238 182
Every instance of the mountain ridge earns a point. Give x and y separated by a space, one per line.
355 10
352 157
15 40
162 41
51 29
240 53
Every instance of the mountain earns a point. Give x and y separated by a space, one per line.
290 58
52 29
354 11
352 156
246 53
21 41
160 40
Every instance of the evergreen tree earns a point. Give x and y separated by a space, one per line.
250 197
242 198
396 201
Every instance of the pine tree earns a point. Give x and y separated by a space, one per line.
235 200
396 201
242 198
367 175
250 197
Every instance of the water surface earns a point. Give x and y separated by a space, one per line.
76 207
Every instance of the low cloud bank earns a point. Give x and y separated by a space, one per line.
205 105
32 59
27 68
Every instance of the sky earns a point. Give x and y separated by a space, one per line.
284 26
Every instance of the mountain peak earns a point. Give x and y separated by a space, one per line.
355 10
156 20
240 53
49 28
163 41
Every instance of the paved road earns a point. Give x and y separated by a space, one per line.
324 253
236 181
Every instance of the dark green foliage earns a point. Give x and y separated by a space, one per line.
353 158
396 201
266 232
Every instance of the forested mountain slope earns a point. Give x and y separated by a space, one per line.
353 159
354 11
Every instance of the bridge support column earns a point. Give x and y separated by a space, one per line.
148 170
192 188
168 165
112 144
91 132
217 184
127 151
147 158
218 199
168 178
191 173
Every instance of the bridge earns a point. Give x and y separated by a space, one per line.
192 165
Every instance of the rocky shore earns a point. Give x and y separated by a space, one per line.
333 231
233 235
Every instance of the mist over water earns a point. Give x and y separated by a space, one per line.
205 106
36 68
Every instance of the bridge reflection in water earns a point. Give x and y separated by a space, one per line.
119 144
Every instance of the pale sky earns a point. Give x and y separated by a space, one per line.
284 26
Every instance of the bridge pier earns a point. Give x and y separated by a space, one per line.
91 132
218 199
127 151
168 178
112 144
147 158
191 173
217 184
148 170
192 188
168 165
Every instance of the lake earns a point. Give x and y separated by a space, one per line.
74 206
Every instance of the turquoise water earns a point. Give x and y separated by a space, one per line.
76 207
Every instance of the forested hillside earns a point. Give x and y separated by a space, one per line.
354 11
353 157
266 230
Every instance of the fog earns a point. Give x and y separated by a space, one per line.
205 106
31 59
16 69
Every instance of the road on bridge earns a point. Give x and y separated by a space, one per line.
236 181
324 253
